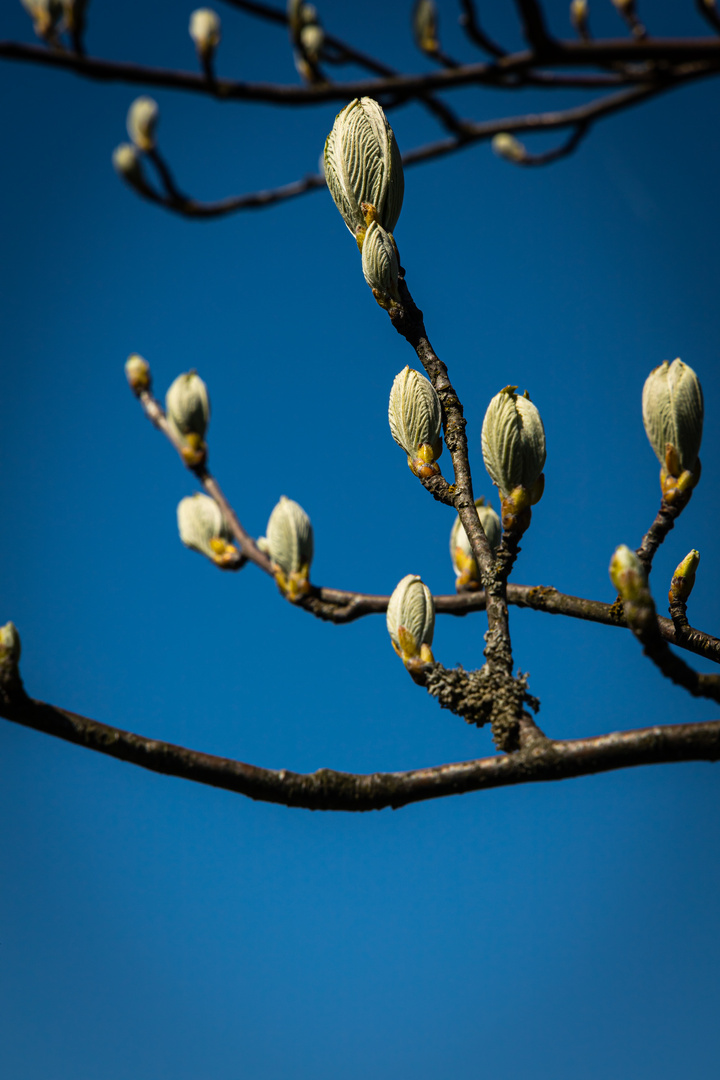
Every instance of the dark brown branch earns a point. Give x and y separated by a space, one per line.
569 146
470 24
661 526
533 24
330 790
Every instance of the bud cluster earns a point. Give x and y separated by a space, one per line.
205 30
187 407
629 577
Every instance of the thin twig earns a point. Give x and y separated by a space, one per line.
471 26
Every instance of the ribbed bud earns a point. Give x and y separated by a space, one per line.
380 265
415 417
463 560
513 443
9 645
205 30
137 372
203 528
508 147
425 26
363 166
142 120
683 579
188 406
411 620
289 543
672 406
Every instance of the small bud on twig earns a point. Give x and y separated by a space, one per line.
142 119
513 447
672 405
415 416
683 579
290 545
126 163
579 18
9 645
187 407
380 265
461 553
425 26
508 147
411 621
137 371
205 30
203 528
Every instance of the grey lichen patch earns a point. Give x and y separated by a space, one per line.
482 697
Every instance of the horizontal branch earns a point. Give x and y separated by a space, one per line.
327 789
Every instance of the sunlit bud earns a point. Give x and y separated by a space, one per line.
142 120
363 165
380 265
187 407
203 528
137 371
126 162
629 577
312 38
672 405
579 17
205 31
289 543
411 621
683 579
415 417
508 147
425 26
513 443
9 645
45 14
463 560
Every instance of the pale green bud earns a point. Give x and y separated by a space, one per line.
425 25
411 620
363 165
203 528
205 30
137 371
142 120
380 265
513 442
672 406
508 147
415 416
683 579
126 162
627 573
187 406
9 645
289 543
463 560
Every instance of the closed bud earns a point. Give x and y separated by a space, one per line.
203 528
579 17
463 560
380 265
142 120
508 147
425 26
629 577
205 31
411 621
188 406
363 165
289 543
513 444
672 406
126 163
312 38
415 417
137 371
9 645
683 579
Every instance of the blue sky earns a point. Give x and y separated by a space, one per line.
154 929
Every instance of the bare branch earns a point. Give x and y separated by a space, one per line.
471 26
533 24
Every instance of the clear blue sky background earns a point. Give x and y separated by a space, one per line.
151 929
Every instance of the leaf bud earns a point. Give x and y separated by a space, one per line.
363 165
411 621
9 645
425 26
142 120
187 407
415 416
312 39
672 406
629 577
137 371
46 15
463 560
289 543
126 163
380 265
683 579
203 528
508 147
205 30
513 447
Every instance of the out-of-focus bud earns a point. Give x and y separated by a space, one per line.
142 120
683 579
508 147
415 417
629 577
205 30
579 17
289 543
672 406
312 38
9 645
513 446
46 15
425 26
380 265
187 407
463 560
624 6
363 166
126 163
411 621
203 528
137 371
